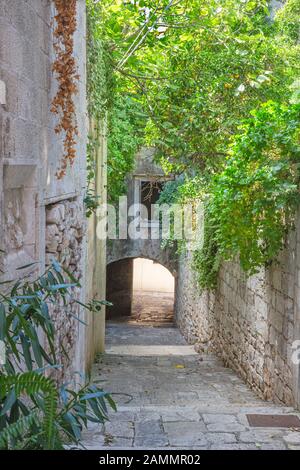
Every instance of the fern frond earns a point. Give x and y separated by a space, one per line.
18 429
32 383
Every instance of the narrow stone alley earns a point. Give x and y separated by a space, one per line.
170 397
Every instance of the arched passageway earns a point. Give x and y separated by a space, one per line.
141 291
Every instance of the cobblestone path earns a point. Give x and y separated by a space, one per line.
168 396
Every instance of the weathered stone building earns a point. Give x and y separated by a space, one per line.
42 217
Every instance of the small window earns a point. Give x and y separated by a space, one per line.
150 191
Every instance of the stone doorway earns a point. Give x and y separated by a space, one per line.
141 290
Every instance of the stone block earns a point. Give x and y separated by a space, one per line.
292 438
120 428
185 433
2 92
275 445
276 279
219 418
260 435
148 427
151 440
225 427
55 214
220 438
233 447
186 415
261 306
261 326
276 319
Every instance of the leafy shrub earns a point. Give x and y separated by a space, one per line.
34 411
254 199
287 19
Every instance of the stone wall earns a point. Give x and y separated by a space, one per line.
25 73
64 243
250 322
41 216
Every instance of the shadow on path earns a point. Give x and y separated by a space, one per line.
170 397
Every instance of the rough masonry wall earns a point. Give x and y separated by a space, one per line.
25 66
64 237
250 322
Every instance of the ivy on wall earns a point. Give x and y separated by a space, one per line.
99 94
108 100
259 187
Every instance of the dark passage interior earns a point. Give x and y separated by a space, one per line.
141 290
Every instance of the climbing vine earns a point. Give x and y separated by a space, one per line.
218 82
65 69
259 187
109 100
99 95
126 123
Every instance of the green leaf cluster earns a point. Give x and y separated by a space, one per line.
36 412
253 201
109 100
219 83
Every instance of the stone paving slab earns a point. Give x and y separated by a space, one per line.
177 402
157 350
117 333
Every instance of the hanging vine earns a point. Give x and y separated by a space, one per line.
65 69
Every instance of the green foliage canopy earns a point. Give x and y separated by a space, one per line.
259 187
198 69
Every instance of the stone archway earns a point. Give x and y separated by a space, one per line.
149 249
